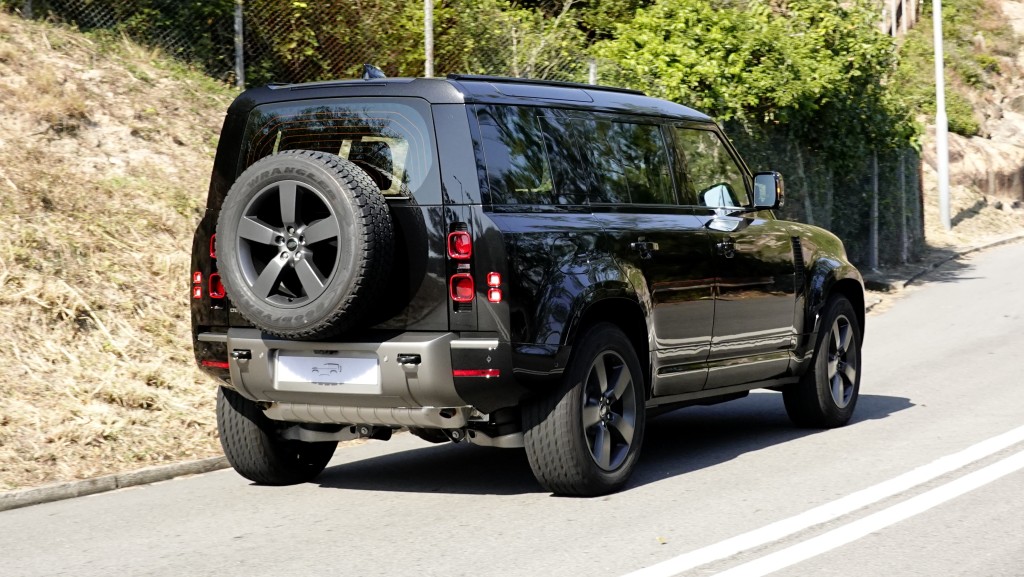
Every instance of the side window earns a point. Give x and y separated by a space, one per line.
631 164
517 166
709 169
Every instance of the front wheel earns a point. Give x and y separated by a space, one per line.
584 437
257 451
826 395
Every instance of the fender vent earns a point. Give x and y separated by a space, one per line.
798 265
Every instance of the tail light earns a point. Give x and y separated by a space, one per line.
216 287
494 287
460 245
461 288
197 285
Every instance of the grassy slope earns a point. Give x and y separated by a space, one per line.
105 156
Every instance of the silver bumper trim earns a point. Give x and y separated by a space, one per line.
213 337
432 417
475 344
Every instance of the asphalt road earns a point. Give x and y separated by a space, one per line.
927 480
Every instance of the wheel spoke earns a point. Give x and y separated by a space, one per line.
838 390
836 338
833 366
251 229
268 278
591 415
321 230
850 374
844 338
623 427
622 382
603 448
288 192
311 279
602 375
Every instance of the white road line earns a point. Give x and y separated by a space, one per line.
876 521
833 510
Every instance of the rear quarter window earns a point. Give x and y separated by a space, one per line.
550 156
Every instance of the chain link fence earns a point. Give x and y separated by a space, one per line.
874 207
302 41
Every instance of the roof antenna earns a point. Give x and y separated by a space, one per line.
370 71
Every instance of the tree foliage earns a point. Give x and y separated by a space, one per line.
817 68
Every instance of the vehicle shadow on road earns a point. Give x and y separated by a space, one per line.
676 443
695 438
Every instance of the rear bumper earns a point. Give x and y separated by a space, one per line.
414 383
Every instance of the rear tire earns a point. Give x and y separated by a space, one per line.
584 438
256 450
826 395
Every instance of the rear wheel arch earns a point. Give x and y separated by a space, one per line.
629 317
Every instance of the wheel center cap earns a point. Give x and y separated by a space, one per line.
604 411
292 244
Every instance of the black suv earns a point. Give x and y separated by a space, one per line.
504 262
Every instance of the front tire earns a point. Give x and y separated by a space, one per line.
256 450
827 393
584 438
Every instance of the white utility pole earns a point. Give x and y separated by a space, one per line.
428 38
941 122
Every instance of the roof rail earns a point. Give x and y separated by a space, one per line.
515 80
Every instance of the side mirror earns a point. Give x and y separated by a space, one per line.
768 190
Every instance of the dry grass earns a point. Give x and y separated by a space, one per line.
105 156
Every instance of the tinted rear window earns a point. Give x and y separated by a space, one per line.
390 140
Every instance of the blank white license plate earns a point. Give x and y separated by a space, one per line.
348 375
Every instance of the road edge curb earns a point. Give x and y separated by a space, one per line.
38 495
902 284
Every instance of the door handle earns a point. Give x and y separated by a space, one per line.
644 248
726 248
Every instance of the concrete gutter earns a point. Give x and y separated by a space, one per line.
882 282
26 497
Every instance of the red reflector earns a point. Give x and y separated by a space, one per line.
486 373
197 278
213 246
216 287
460 246
494 295
197 291
461 288
215 364
494 279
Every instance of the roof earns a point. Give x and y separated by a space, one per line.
458 89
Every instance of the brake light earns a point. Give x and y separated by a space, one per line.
213 245
461 288
216 287
460 245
